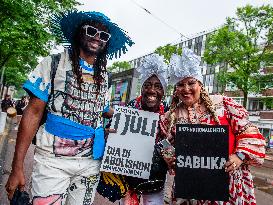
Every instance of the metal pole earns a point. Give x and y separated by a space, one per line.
1 81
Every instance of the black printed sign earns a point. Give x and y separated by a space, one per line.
201 152
130 150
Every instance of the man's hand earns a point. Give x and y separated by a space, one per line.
107 131
28 127
108 114
16 180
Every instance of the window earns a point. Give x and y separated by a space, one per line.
207 80
203 67
231 87
189 44
211 78
215 87
198 45
202 62
135 63
199 48
210 69
255 105
239 100
138 62
265 132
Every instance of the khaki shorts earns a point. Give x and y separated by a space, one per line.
64 180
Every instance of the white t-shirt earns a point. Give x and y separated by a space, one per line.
83 106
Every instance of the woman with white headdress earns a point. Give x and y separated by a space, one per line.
192 105
153 77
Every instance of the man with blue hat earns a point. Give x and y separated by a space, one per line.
73 90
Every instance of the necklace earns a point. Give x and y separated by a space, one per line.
85 65
191 114
192 117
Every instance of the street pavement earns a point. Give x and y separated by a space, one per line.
263 176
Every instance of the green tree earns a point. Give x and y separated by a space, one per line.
167 51
268 101
266 80
20 92
242 44
24 31
119 66
14 77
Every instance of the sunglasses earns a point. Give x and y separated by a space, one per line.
92 32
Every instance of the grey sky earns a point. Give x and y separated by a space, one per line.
187 16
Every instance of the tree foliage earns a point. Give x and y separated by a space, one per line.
268 101
167 51
242 43
14 76
24 32
119 66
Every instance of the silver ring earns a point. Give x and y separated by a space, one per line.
234 165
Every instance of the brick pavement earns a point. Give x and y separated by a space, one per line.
8 151
262 197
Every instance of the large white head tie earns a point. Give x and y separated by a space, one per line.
153 65
187 65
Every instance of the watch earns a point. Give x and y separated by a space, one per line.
241 155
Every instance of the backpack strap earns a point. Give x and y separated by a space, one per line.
54 65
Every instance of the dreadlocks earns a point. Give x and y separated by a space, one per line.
99 68
77 70
99 64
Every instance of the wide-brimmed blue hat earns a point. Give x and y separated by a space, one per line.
66 25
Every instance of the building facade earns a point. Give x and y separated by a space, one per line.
259 113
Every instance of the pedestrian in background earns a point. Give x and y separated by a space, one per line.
70 144
6 103
192 105
20 106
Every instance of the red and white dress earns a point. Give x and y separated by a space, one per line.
244 137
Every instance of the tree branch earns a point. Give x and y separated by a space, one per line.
8 56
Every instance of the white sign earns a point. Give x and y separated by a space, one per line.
130 150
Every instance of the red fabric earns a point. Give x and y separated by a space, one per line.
224 121
257 136
131 198
252 152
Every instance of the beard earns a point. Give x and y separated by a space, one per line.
89 50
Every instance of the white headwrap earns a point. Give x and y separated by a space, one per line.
187 65
153 65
